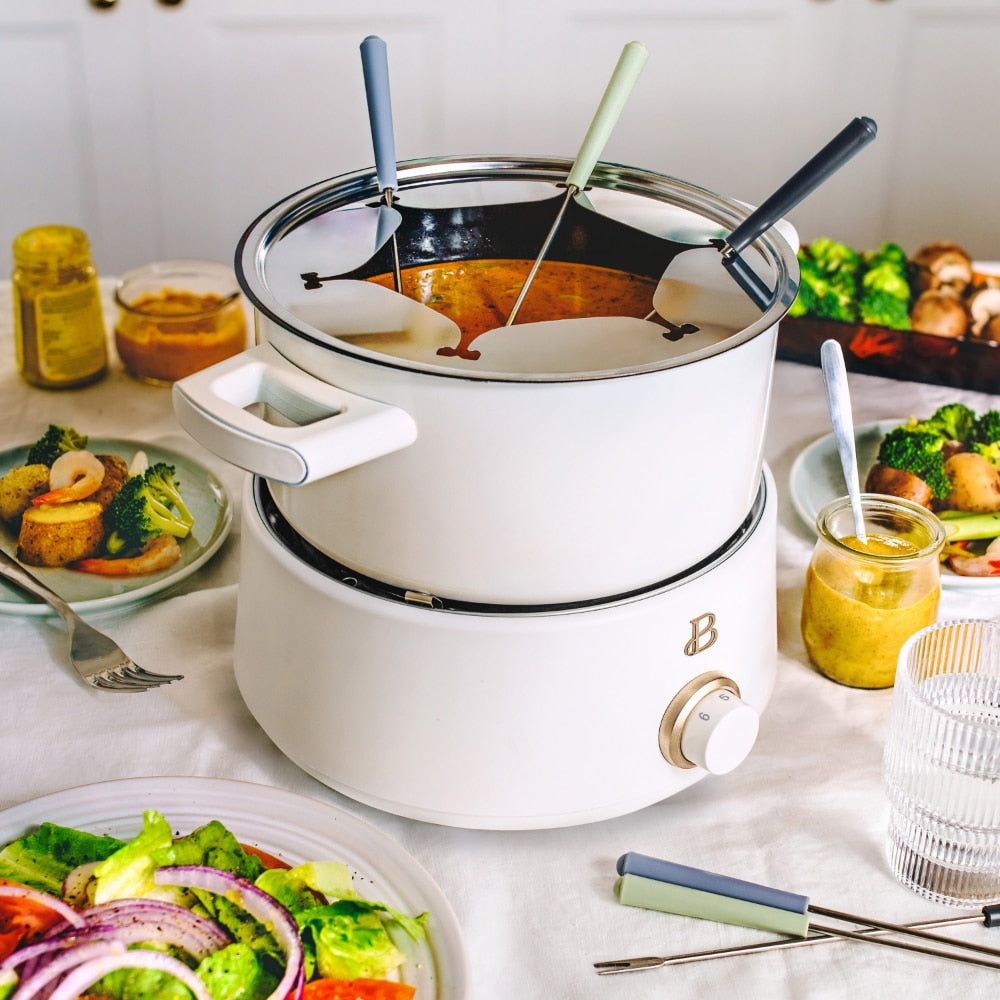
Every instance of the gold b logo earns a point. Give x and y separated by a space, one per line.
703 634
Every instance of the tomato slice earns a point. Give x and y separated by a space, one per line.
356 989
22 920
269 859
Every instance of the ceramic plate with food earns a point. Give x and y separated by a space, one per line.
817 477
292 828
205 496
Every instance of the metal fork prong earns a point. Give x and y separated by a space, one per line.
109 682
96 657
140 673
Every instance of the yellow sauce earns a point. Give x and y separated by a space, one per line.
857 615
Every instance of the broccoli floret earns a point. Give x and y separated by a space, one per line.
833 256
882 309
984 436
161 480
953 422
986 428
143 509
919 452
891 253
887 278
56 441
813 285
838 303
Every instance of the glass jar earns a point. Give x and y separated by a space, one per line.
59 333
862 601
176 317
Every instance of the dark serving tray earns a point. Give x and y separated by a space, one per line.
901 354
898 354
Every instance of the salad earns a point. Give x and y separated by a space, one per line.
199 917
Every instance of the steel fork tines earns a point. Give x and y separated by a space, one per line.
96 657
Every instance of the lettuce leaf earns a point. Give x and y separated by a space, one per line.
45 856
345 939
129 871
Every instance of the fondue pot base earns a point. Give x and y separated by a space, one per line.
492 717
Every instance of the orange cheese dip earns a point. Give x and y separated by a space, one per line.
478 294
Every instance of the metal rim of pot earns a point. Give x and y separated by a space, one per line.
361 188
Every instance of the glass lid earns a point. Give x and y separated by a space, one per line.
630 277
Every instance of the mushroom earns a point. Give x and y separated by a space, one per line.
942 265
939 312
991 331
983 304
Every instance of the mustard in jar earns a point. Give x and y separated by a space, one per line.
864 599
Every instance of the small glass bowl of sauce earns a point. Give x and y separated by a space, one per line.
176 317
864 599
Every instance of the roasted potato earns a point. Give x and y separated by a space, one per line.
58 534
975 484
896 483
18 488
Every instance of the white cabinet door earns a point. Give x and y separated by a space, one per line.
165 130
76 126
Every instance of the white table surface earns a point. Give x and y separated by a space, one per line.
805 812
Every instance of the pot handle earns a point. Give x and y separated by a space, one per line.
309 429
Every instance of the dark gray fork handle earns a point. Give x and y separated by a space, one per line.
853 137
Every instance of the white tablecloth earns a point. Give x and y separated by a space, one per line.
805 812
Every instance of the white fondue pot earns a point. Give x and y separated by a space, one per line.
495 718
585 469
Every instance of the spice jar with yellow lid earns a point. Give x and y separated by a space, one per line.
176 317
59 333
865 597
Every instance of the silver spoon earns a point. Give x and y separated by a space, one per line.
839 399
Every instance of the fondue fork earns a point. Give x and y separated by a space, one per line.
96 657
615 966
375 67
626 72
656 884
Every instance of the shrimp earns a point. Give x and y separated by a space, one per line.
74 475
987 564
160 554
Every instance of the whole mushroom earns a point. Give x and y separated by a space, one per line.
983 305
940 312
942 265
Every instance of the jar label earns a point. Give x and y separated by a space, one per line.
70 330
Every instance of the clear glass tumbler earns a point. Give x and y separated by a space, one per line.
941 768
863 600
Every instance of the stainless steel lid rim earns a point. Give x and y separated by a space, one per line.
314 559
359 187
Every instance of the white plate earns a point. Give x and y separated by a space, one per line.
206 498
293 828
816 478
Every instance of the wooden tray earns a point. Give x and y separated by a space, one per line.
899 354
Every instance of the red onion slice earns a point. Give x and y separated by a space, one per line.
71 957
257 903
89 972
44 899
161 921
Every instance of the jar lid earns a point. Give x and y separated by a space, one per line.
52 245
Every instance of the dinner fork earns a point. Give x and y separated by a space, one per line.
97 659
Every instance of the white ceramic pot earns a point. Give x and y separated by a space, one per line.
583 477
469 717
